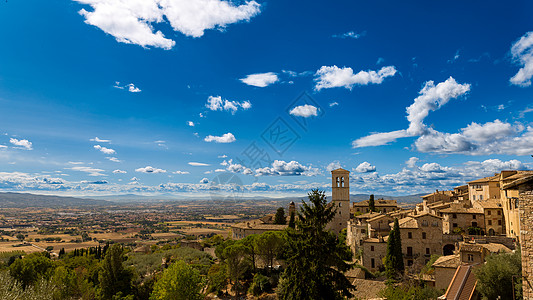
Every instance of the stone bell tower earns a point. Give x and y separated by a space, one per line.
340 199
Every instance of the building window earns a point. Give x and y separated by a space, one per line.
499 213
428 251
340 204
474 217
474 224
423 235
435 224
516 203
454 225
409 251
480 197
371 248
454 216
342 181
373 263
409 262
338 182
384 210
470 257
363 231
500 222
424 223
490 222
488 212
409 235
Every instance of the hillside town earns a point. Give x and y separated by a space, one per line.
462 226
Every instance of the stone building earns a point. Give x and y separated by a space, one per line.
374 250
493 213
512 183
340 199
244 229
525 207
384 206
421 236
457 217
484 188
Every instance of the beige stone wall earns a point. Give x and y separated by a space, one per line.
375 251
418 244
526 238
463 220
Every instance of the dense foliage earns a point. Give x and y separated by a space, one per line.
315 258
495 277
279 218
393 260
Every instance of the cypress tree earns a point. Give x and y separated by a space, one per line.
393 260
371 203
280 217
398 247
292 223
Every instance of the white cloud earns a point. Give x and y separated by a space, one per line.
131 21
197 164
522 52
96 139
180 172
305 111
331 77
104 149
204 180
333 166
114 159
75 162
132 88
432 97
292 168
3 146
117 171
350 34
222 156
190 123
333 104
236 168
225 138
365 167
24 144
91 171
216 103
411 162
134 179
149 169
260 79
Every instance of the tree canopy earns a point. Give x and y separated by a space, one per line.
316 260
179 282
393 260
495 277
280 217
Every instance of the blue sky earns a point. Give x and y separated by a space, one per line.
153 97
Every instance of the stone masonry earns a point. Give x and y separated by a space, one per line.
526 237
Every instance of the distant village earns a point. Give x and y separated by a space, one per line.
464 226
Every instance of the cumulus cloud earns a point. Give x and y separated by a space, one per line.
235 168
365 167
204 180
91 171
190 123
23 144
117 171
305 111
150 169
114 159
333 166
104 149
132 88
522 53
198 164
225 138
260 79
411 162
95 182
333 76
131 21
98 140
216 103
333 104
292 168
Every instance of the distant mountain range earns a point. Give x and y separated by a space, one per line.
21 200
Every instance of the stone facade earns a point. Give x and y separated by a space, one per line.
421 237
374 250
340 199
526 237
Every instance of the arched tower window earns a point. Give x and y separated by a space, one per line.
338 182
342 181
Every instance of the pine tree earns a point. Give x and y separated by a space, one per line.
316 260
398 247
280 217
371 203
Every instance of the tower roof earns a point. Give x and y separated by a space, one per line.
340 170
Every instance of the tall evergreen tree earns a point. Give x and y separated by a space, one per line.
371 203
280 217
315 258
393 260
292 223
113 277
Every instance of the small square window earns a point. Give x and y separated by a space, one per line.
409 235
371 248
423 235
